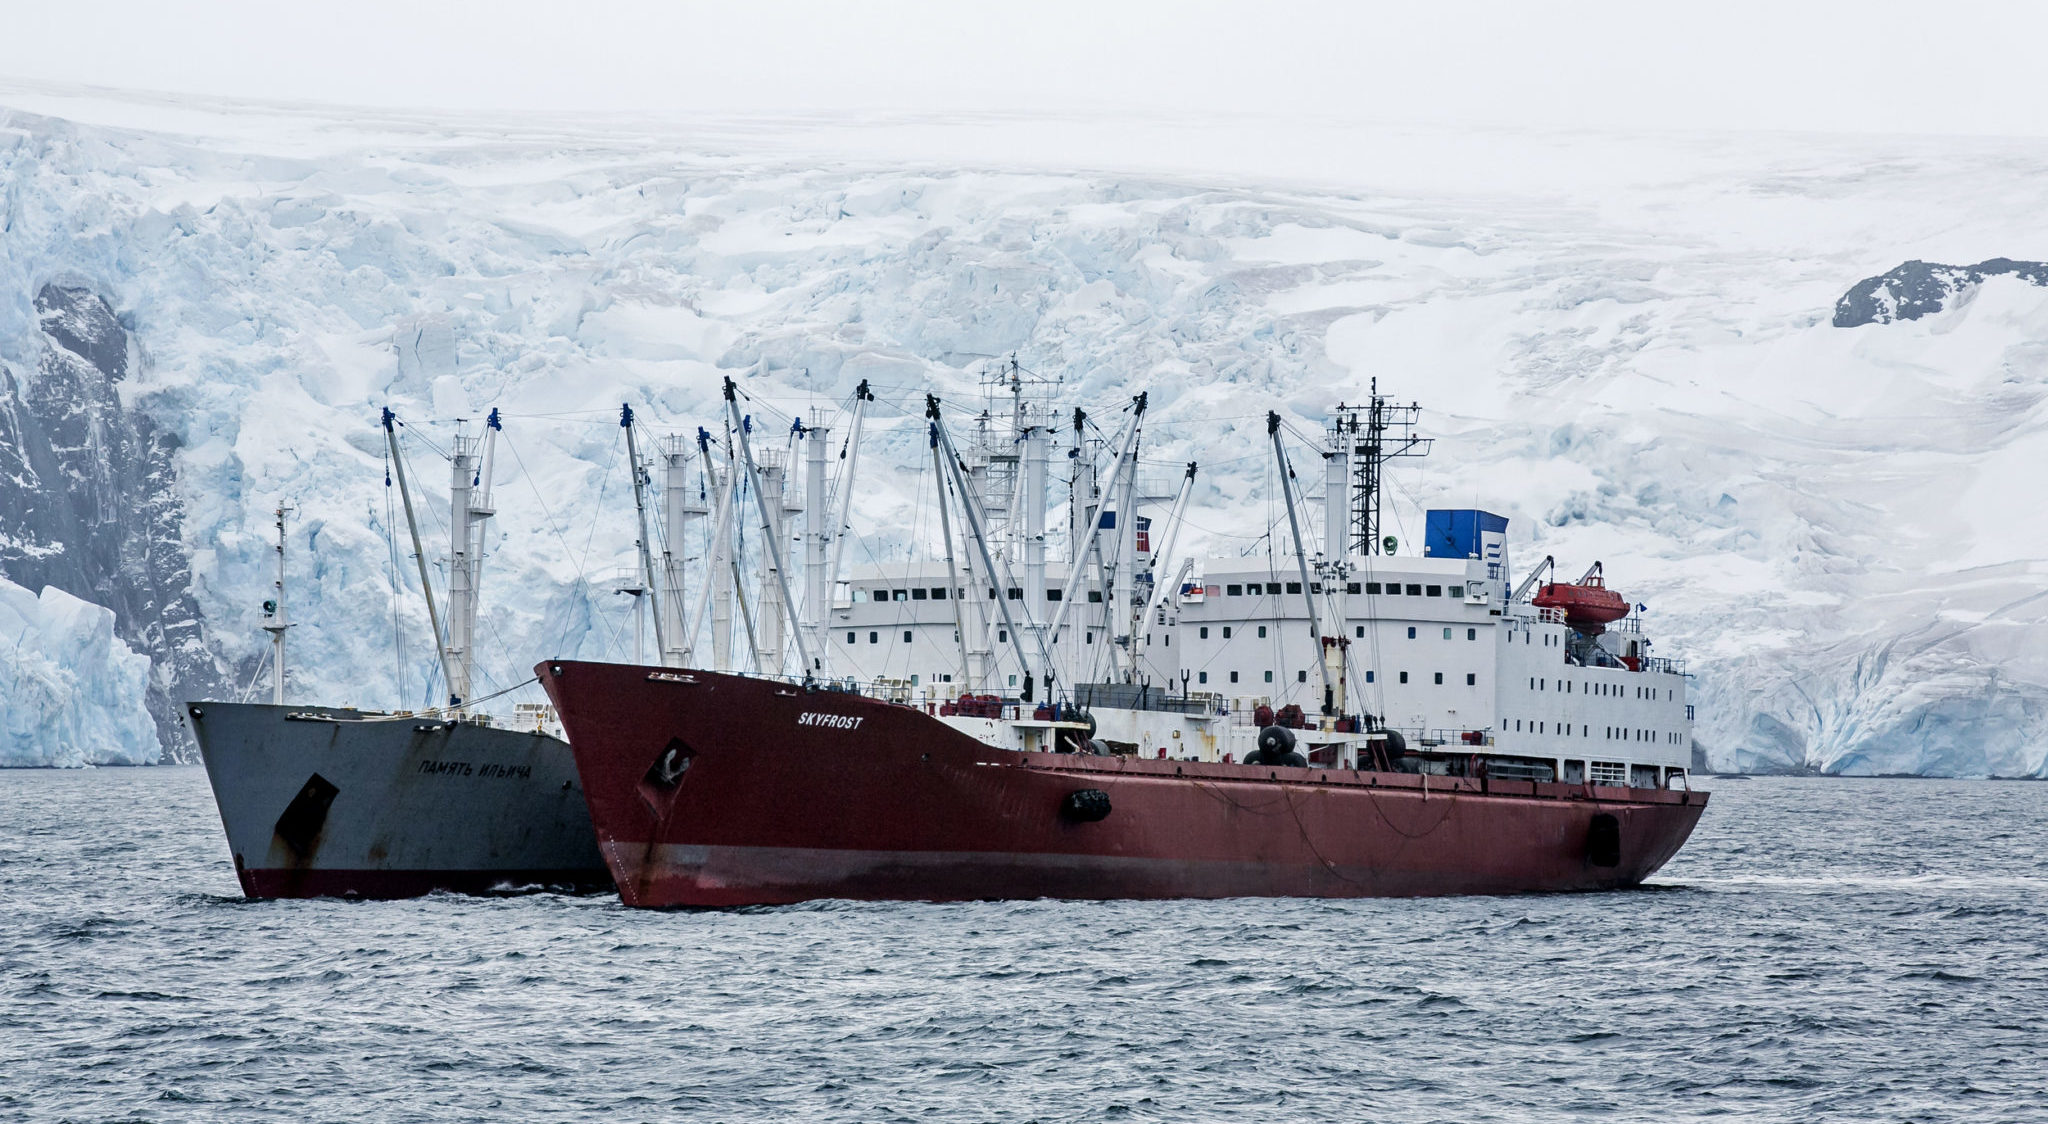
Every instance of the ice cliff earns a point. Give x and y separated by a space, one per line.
71 693
1626 344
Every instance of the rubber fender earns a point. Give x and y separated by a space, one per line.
1085 805
1276 741
1603 841
1396 744
1089 718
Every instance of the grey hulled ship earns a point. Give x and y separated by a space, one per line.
334 801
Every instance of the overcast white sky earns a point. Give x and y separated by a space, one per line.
1928 66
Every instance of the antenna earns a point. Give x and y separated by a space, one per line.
1387 431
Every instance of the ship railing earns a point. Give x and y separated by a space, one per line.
1631 623
1550 614
1664 665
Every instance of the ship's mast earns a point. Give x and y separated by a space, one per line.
1388 431
1091 531
469 509
678 509
771 540
968 674
817 537
647 572
276 620
419 552
999 577
1333 678
851 454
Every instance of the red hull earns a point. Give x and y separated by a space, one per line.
878 801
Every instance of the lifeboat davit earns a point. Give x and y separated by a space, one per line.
1588 606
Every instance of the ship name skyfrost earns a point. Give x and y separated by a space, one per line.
830 721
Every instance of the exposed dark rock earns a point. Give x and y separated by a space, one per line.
1917 288
88 499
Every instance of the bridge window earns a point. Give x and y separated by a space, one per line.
1436 591
1351 587
1226 632
1368 677
874 638
899 595
881 595
852 637
938 593
1361 632
1471 679
1262 632
1439 678
1455 591
906 636
1301 677
1294 587
1234 590
1372 587
1404 677
1016 594
1269 677
1053 594
919 593
1411 632
1002 636
1095 597
1471 634
1254 589
1205 632
1233 677
1447 634
1202 677
1414 590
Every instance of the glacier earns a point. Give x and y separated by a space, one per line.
1625 343
73 691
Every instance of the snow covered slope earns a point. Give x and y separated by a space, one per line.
1623 343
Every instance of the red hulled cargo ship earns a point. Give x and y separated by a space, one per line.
709 789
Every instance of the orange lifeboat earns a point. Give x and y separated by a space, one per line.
1588 605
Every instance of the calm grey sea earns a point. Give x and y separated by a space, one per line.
1822 950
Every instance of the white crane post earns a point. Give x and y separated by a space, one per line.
722 562
817 538
1036 450
1081 508
1124 588
676 511
1337 496
777 609
460 621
